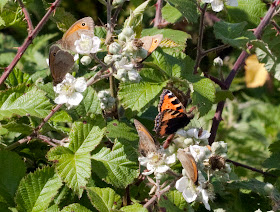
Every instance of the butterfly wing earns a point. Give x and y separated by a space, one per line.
189 164
150 43
61 62
169 121
169 101
147 143
82 26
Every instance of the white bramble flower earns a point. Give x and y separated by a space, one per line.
197 136
157 162
199 153
219 148
69 91
87 44
218 5
134 76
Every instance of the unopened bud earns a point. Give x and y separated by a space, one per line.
86 60
218 61
128 32
117 3
121 37
143 53
108 59
114 48
268 188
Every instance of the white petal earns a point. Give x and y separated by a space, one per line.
162 169
205 199
75 99
193 133
148 172
80 84
48 61
207 1
189 195
205 134
143 161
170 159
68 78
61 99
217 5
182 184
233 3
76 56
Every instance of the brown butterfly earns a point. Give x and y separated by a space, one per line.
61 62
172 114
83 26
147 143
150 43
189 164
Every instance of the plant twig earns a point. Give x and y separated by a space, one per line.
215 49
250 168
28 41
19 142
238 64
158 16
27 17
276 26
109 23
47 140
199 50
216 80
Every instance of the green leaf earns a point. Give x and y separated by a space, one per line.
75 207
100 31
174 201
187 8
12 169
134 208
17 77
12 16
139 96
174 39
203 95
89 104
61 116
23 128
33 103
249 11
73 164
7 53
233 34
114 167
53 208
2 4
63 19
273 162
171 14
37 189
104 199
222 95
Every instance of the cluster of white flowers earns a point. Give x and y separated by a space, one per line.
218 5
106 100
124 53
69 90
157 163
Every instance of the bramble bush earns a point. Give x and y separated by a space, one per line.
79 99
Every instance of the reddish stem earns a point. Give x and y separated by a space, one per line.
27 17
27 42
158 16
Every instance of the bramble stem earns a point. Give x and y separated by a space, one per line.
28 41
27 17
158 16
238 64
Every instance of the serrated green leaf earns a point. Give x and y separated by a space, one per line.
73 169
61 116
63 19
233 34
139 96
89 104
203 95
275 147
33 103
174 201
23 128
7 52
53 208
12 169
104 199
254 9
134 208
17 77
12 16
2 4
177 38
100 31
222 95
73 164
37 189
75 207
187 8
113 166
171 14
273 162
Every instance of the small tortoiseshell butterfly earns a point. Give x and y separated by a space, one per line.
172 114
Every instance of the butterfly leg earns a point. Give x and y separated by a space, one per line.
168 141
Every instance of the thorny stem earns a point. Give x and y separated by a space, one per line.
27 17
276 26
238 64
199 50
215 49
216 80
110 27
28 41
250 168
158 16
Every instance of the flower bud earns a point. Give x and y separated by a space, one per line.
108 59
128 32
121 37
86 60
268 188
218 61
114 48
219 147
143 53
117 3
134 76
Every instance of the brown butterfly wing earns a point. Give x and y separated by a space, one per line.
61 62
150 43
147 143
189 164
82 26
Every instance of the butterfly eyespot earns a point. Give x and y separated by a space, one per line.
83 24
54 54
